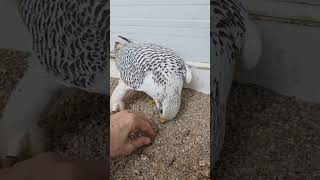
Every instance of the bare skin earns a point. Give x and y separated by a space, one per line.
121 125
51 166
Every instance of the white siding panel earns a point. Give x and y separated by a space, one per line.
306 10
195 24
159 2
182 25
181 12
290 63
189 45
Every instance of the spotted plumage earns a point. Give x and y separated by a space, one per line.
70 38
136 60
229 28
233 37
156 70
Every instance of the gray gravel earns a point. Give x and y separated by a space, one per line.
181 147
269 136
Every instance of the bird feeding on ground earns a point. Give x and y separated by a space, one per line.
153 69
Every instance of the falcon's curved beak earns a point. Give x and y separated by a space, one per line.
162 119
159 110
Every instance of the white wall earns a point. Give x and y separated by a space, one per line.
291 38
183 25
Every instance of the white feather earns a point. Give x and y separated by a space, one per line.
188 75
150 87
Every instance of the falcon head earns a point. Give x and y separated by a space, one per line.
170 105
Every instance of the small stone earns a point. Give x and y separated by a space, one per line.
186 133
3 71
205 173
171 161
202 163
144 158
136 171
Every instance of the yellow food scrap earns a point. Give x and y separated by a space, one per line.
162 120
152 102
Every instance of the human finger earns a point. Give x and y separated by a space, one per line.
143 125
141 141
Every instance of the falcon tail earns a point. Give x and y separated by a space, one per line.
188 75
126 39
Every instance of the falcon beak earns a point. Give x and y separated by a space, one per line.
162 119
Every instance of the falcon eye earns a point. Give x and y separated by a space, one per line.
161 111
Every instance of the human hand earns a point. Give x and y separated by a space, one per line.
51 166
122 124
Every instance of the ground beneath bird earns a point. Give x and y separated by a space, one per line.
269 136
181 147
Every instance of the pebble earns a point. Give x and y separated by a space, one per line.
203 163
186 133
144 158
205 173
3 71
170 161
136 171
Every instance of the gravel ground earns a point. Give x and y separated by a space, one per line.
269 136
181 147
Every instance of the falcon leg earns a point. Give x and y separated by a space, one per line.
116 103
18 125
